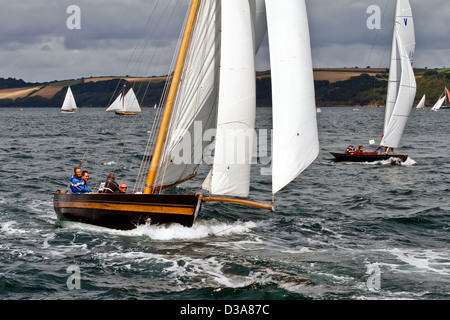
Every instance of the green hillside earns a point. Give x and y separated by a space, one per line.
363 89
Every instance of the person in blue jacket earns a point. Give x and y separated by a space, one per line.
78 181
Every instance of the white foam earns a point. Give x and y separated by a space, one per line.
200 230
8 228
423 260
393 161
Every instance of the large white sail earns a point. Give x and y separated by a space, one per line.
196 101
404 24
295 136
402 84
69 102
230 174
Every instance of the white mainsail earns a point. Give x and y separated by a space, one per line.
69 104
295 136
194 111
116 105
130 102
402 83
421 104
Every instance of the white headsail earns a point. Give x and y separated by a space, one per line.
295 136
402 83
116 105
237 103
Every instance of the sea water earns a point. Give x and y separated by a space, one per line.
340 230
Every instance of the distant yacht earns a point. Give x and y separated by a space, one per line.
69 104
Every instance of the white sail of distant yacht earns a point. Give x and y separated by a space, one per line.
116 105
69 104
125 106
421 104
438 104
402 83
213 87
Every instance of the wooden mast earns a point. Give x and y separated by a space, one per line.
171 96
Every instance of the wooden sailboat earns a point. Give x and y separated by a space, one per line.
443 101
400 94
125 104
69 104
228 34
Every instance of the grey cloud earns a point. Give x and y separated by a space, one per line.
34 33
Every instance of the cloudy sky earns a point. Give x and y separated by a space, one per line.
40 39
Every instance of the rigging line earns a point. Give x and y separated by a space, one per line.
175 57
145 162
388 39
112 97
133 53
147 158
139 59
145 46
158 50
153 133
119 156
376 34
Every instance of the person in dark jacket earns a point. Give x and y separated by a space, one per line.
111 185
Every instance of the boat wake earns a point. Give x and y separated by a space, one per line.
394 161
200 230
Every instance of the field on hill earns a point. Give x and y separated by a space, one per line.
334 86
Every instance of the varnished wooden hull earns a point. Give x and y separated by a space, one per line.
125 113
126 211
369 157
